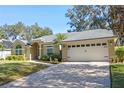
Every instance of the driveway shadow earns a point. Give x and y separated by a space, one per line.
66 76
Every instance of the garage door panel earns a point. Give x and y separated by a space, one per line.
97 53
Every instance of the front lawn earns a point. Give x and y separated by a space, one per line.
13 70
117 72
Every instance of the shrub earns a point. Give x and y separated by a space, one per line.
45 58
51 57
15 57
114 59
55 57
120 53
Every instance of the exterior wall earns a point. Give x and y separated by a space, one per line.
104 40
44 48
64 52
13 51
27 50
36 49
111 48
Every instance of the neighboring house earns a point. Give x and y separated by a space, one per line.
90 45
7 45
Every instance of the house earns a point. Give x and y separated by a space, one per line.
7 45
90 45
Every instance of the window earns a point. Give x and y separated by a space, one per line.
98 44
18 50
104 44
92 44
69 46
87 45
82 45
78 45
49 50
73 45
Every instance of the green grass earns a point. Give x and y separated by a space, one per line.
117 72
10 71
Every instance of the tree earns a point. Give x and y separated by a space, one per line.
38 31
13 31
117 14
59 38
18 27
47 31
1 47
2 34
85 17
21 31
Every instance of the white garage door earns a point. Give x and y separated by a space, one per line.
88 52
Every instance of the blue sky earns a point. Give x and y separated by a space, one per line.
45 16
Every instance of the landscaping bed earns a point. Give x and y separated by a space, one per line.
117 75
10 71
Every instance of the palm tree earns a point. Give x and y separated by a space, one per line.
58 40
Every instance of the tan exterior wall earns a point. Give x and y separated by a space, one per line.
104 40
27 52
64 52
37 49
111 48
44 48
13 51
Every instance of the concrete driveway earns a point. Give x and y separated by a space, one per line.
68 75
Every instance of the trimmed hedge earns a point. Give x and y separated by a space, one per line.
15 57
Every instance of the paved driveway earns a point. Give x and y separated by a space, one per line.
69 75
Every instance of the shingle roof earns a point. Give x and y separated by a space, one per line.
49 38
88 34
24 41
6 43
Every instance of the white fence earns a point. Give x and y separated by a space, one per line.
5 53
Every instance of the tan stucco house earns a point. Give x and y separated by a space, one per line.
90 45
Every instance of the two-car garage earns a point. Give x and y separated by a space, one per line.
88 52
90 45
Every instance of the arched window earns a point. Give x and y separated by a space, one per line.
18 50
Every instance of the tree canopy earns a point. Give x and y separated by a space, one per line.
88 17
22 31
59 38
83 17
1 47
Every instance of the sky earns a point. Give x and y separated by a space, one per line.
46 16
